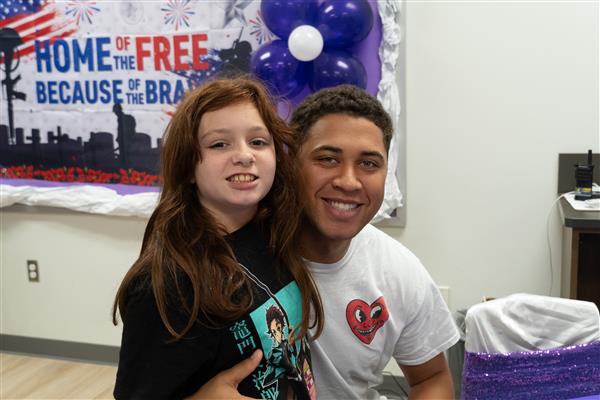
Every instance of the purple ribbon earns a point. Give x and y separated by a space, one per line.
118 187
561 373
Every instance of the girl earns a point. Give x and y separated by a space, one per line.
218 256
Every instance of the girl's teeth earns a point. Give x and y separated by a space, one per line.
242 178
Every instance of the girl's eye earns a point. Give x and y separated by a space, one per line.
217 145
259 142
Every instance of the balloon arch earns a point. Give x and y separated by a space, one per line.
314 45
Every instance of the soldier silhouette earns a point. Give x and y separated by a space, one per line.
237 59
125 133
9 41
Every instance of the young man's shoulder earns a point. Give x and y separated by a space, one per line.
372 238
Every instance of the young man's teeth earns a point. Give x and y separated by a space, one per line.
343 206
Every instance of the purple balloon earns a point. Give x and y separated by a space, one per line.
344 22
336 67
283 73
283 16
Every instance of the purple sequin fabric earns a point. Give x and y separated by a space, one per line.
561 373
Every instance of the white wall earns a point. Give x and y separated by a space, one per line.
82 258
495 90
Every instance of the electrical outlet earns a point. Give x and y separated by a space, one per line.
33 272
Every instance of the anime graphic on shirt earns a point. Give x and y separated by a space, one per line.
280 359
284 362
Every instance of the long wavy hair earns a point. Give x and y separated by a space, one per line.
182 239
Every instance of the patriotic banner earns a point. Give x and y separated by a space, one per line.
88 87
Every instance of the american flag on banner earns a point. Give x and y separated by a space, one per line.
33 20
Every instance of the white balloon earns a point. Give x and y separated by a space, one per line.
305 43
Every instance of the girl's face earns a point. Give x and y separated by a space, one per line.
238 163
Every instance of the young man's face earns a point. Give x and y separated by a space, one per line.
343 166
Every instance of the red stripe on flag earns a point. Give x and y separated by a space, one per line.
37 34
30 49
43 32
12 19
34 22
18 17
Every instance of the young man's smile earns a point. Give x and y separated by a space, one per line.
342 209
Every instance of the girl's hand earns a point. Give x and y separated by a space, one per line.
224 384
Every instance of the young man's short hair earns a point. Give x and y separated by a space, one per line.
342 99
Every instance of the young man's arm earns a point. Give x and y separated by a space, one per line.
430 380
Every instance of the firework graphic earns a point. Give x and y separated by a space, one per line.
177 12
259 29
82 10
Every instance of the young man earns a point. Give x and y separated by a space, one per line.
379 300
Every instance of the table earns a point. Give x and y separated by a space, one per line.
581 254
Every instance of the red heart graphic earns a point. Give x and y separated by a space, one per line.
365 320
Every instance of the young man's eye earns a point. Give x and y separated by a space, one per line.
369 164
327 160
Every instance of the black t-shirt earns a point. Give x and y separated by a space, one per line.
152 366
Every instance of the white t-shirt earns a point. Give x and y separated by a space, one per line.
379 302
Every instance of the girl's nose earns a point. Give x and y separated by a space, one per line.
243 156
